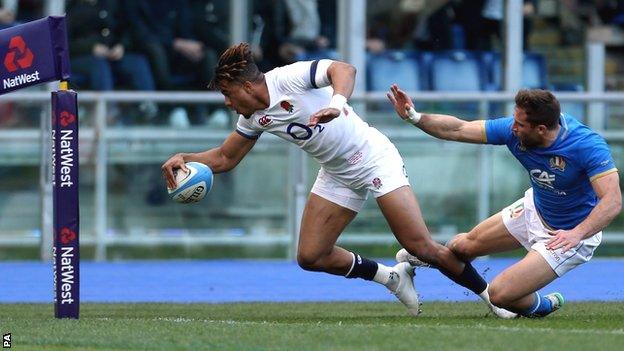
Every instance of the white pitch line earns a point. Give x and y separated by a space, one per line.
420 326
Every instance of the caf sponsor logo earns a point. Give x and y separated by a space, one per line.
557 162
287 106
543 178
265 121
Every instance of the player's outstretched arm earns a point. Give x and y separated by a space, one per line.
440 126
341 76
219 159
607 189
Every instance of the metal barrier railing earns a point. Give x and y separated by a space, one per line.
100 135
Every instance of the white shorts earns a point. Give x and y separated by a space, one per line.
380 176
524 223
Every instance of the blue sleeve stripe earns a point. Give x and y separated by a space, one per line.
313 74
248 136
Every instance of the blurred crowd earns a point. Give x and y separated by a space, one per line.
174 45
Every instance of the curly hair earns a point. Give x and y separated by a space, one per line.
236 64
540 106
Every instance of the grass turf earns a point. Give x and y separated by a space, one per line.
310 326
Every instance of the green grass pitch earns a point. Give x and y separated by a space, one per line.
311 326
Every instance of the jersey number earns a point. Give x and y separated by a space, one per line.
302 132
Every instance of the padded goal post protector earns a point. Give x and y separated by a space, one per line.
66 249
34 53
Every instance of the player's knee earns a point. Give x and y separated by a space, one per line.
462 246
309 261
499 296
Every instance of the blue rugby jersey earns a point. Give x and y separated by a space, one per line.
560 174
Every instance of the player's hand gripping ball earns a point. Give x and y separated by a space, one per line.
192 185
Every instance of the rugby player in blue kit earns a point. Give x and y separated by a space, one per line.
575 193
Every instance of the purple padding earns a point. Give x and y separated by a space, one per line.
33 53
274 281
66 250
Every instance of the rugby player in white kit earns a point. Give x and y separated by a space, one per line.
306 103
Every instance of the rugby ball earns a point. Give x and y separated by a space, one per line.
192 185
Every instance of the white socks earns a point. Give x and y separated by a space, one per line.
386 276
485 296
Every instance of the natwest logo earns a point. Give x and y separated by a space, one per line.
67 236
19 55
67 118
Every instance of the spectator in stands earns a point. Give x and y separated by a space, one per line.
482 19
327 10
210 23
28 10
305 30
270 30
410 24
610 11
162 29
285 30
98 51
7 13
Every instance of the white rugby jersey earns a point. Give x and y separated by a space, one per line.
296 92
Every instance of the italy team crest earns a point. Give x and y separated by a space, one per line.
557 162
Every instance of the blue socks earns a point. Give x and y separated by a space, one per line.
542 307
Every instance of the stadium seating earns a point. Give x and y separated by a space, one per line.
456 70
534 73
400 67
318 54
575 109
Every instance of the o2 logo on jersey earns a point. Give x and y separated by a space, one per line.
543 178
301 131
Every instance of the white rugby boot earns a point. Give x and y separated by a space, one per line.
404 256
405 290
498 311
